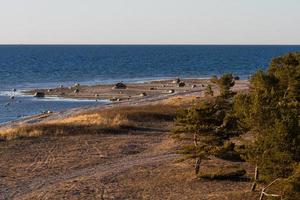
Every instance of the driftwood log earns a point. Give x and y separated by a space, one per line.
264 193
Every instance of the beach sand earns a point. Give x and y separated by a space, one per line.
144 93
152 89
121 150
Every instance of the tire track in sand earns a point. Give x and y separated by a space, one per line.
98 171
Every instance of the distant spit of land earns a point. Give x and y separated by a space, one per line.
134 94
121 150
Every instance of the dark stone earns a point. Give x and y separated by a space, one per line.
177 80
143 94
181 84
39 94
236 78
120 85
171 91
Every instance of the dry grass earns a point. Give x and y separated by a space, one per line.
87 123
181 101
113 120
20 132
94 119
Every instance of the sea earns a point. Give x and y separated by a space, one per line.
24 67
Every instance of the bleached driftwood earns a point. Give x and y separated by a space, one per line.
263 191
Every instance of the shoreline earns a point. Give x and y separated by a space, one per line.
135 94
153 87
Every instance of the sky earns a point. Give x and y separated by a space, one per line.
149 22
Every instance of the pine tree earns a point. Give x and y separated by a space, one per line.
208 126
209 91
224 83
271 112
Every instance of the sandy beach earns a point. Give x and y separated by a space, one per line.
133 91
144 93
88 152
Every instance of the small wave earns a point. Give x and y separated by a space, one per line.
61 99
13 93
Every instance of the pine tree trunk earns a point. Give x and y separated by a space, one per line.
195 140
198 159
197 165
255 179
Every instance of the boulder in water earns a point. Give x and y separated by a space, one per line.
47 112
39 94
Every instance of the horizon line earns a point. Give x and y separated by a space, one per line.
145 44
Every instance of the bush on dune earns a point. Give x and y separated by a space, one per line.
270 111
208 126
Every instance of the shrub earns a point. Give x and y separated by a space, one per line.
224 83
271 111
209 91
207 126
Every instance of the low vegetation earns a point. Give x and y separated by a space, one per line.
110 120
270 111
228 173
209 125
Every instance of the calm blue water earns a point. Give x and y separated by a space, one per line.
28 66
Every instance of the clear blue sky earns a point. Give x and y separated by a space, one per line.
150 21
